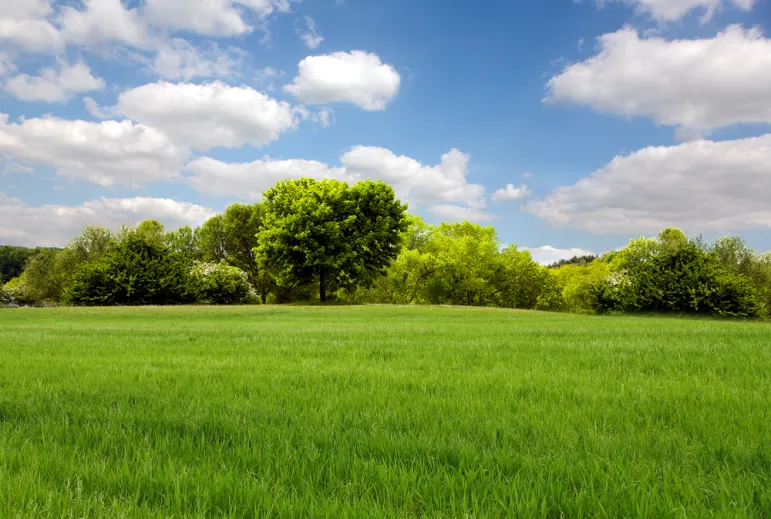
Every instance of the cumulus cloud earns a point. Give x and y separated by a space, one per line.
672 10
357 77
510 193
54 84
212 17
102 21
55 225
417 183
547 254
34 25
104 153
24 24
249 180
310 34
420 185
696 85
698 186
208 115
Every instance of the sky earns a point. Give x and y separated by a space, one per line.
570 126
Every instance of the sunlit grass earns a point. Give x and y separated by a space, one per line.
381 412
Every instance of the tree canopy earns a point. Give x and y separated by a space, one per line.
330 233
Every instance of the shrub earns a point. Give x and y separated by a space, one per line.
6 299
680 278
220 284
135 271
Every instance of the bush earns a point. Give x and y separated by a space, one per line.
135 271
6 299
220 284
682 279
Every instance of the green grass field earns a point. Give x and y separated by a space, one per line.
381 412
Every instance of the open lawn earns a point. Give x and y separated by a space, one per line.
381 412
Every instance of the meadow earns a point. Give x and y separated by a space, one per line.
373 411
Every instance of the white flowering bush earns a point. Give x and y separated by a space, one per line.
221 284
6 298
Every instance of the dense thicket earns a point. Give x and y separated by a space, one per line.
13 260
313 240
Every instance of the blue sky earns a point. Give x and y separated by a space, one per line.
607 120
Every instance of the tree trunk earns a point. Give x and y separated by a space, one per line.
322 286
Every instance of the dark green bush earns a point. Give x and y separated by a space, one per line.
134 271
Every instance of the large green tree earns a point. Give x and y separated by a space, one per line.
331 233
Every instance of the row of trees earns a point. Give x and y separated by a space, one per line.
324 240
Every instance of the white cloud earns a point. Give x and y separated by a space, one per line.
24 23
102 21
697 85
28 9
34 25
105 153
223 18
99 112
210 17
698 186
456 213
208 115
420 185
547 254
178 59
249 180
672 10
55 225
310 35
510 192
54 84
356 77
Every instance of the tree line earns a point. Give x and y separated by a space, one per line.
327 241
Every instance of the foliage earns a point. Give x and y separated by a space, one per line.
221 284
581 261
580 285
328 233
232 237
7 300
184 241
137 270
14 259
734 254
309 239
47 277
674 274
457 264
